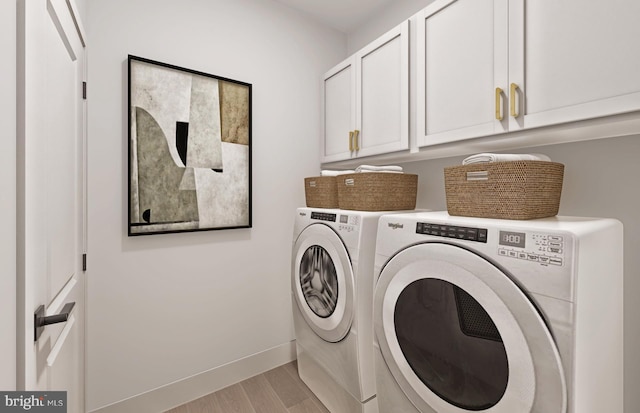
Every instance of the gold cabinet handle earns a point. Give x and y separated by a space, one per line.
512 100
350 141
498 103
356 133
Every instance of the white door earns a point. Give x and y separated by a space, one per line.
323 283
51 69
459 335
461 71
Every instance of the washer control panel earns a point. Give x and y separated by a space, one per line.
348 223
452 231
537 247
323 216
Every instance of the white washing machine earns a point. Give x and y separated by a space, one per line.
332 287
498 316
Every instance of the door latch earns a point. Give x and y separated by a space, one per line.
40 320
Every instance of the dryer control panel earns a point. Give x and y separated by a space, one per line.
532 246
452 231
543 248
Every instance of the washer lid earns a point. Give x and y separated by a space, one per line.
322 282
459 335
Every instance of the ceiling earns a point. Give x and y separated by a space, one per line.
342 15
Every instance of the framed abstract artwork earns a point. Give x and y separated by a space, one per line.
189 150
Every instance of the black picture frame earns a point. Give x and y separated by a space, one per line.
189 150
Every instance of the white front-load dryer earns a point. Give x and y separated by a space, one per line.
498 316
332 287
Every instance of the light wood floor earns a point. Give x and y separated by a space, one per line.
276 391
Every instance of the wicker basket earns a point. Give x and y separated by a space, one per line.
507 190
321 192
377 191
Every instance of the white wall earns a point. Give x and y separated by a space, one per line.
162 308
383 21
8 197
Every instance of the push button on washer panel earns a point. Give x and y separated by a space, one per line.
555 261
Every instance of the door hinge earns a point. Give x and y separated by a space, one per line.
84 262
84 90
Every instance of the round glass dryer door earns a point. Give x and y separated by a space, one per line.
459 335
323 282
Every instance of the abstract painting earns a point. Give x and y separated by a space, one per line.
189 150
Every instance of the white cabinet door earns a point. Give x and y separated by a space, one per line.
573 60
366 100
339 112
382 94
461 61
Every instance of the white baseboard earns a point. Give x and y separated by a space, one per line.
194 387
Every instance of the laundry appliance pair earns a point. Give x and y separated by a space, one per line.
468 314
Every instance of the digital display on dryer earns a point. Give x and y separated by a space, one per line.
512 239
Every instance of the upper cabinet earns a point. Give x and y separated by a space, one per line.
485 67
339 111
461 62
366 100
571 60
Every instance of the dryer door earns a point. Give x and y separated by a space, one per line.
322 282
459 335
